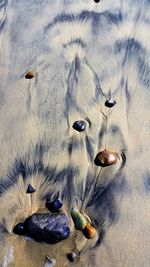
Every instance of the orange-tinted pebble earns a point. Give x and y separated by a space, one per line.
89 231
29 75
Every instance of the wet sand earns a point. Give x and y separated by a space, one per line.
81 53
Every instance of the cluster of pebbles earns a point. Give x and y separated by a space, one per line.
82 223
45 227
53 227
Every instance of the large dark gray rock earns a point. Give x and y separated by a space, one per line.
46 227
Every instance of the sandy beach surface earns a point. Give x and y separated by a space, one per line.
74 82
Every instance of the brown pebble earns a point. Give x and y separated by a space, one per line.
89 231
106 158
29 75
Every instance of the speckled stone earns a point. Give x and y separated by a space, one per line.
46 227
79 125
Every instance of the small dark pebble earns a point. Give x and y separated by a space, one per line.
96 1
72 257
79 125
19 229
29 75
110 103
54 206
30 189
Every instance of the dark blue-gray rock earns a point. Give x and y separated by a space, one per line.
79 125
49 228
110 103
30 189
54 206
72 257
19 229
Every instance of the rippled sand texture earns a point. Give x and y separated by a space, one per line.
80 53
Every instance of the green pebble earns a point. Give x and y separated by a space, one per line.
78 219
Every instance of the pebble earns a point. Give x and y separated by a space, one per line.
54 206
29 75
30 189
89 231
106 158
49 228
110 103
19 229
49 262
78 219
79 125
72 257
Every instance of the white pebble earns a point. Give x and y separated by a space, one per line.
49 262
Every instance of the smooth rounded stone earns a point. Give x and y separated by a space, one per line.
19 229
78 219
72 257
89 231
106 158
30 189
29 75
54 206
49 228
110 103
79 125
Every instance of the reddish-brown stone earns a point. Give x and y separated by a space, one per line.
29 75
106 158
89 231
